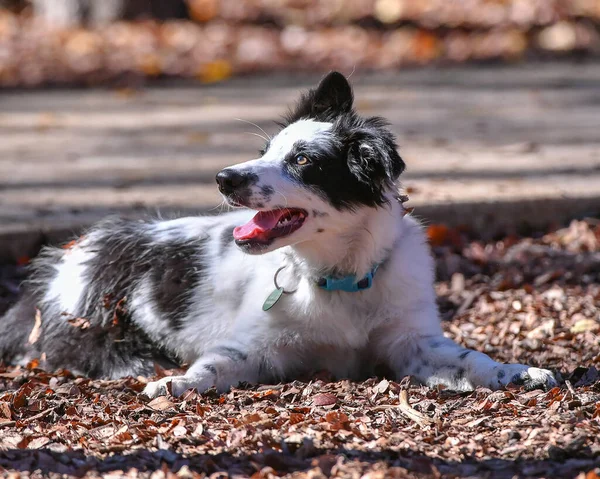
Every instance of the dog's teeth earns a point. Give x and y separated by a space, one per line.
287 219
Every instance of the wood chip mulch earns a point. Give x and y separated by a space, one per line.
534 300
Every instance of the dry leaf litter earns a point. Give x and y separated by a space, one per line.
533 300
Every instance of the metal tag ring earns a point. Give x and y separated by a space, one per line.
277 286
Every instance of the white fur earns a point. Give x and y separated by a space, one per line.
69 284
303 130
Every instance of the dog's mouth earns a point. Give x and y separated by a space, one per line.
266 226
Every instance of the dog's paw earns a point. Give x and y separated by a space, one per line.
531 378
158 388
176 386
535 378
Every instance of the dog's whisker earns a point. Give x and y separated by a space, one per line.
352 72
255 134
254 124
218 207
284 198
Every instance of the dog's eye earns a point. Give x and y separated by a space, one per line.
302 160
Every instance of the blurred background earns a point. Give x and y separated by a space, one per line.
95 41
132 106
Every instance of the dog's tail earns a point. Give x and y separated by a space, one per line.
18 332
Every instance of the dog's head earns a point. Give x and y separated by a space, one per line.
326 163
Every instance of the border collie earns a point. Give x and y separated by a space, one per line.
328 272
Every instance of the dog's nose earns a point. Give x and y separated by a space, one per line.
229 180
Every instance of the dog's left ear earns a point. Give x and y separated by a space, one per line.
333 95
373 158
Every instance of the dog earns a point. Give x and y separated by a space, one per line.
321 269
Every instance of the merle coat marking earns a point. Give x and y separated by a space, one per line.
182 291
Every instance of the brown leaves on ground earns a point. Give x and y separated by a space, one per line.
493 300
76 426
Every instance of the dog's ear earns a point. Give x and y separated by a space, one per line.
373 158
333 95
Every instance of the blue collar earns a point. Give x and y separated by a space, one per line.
347 283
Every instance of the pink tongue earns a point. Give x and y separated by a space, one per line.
262 222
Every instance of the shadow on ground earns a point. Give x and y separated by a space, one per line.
77 463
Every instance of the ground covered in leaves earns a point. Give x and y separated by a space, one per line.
534 300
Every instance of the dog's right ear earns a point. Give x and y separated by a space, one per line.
332 97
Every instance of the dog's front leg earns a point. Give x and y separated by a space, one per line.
221 367
435 359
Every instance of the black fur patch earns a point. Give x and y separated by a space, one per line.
264 368
464 354
238 298
232 353
175 273
267 190
226 238
460 374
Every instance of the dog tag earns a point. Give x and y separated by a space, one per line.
272 299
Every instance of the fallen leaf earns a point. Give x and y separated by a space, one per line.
296 418
337 420
33 364
324 399
5 410
585 325
120 311
38 442
179 431
80 323
34 336
382 387
161 403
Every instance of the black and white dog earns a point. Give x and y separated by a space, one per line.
328 272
